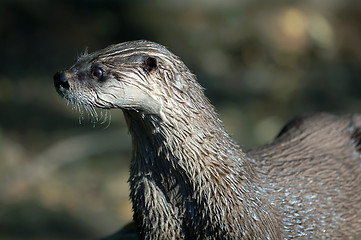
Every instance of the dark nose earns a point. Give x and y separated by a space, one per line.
60 81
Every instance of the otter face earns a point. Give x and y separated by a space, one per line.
139 75
115 77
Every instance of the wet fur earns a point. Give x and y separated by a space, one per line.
189 180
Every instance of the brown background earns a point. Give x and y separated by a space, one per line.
261 63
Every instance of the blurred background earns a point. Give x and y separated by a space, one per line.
261 62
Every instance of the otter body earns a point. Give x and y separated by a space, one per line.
189 180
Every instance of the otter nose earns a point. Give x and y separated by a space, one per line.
60 80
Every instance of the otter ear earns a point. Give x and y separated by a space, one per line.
149 64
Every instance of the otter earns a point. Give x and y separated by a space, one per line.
190 180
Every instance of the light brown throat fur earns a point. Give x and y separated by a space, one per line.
189 180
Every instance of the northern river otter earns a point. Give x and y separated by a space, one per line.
189 180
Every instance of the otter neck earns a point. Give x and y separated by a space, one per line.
192 149
193 167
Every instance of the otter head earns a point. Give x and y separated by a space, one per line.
139 75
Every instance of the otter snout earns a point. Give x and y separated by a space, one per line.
60 82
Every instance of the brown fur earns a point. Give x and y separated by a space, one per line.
189 180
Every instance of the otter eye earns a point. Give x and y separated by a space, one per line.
150 63
97 72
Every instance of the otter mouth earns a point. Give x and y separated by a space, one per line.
62 86
66 89
107 95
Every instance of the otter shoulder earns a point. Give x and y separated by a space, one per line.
313 123
318 132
